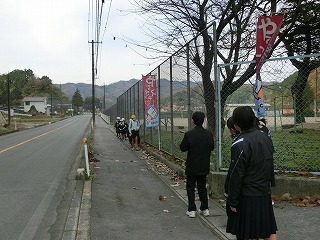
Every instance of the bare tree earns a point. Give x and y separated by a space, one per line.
302 37
170 24
173 23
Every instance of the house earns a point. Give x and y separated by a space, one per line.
40 103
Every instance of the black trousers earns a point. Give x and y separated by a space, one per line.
200 182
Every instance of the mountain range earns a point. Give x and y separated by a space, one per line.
114 90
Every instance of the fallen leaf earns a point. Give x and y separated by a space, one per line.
162 198
278 207
285 197
175 185
314 199
311 204
305 200
303 173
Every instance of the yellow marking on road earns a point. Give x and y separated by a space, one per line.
34 138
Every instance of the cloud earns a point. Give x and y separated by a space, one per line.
51 38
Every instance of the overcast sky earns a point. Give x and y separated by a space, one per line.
50 37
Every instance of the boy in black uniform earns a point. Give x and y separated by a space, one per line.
116 126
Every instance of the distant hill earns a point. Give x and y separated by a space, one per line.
114 90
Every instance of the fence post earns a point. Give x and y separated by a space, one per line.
188 88
295 114
275 114
171 105
159 110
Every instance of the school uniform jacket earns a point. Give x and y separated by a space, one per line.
199 144
251 171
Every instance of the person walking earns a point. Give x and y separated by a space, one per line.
250 177
199 143
116 126
133 129
122 129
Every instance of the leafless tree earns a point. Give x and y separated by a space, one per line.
301 37
170 24
174 23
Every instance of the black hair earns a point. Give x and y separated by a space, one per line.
198 118
230 123
244 117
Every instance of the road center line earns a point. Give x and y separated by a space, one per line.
34 138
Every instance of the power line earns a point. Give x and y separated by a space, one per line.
105 27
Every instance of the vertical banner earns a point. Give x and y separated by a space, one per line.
149 85
268 28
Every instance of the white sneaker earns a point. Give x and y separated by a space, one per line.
191 214
205 212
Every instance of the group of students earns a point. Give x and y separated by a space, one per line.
128 131
249 178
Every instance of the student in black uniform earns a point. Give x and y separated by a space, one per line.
116 126
250 213
199 144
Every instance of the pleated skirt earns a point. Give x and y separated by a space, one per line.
254 218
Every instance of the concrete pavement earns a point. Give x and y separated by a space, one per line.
134 196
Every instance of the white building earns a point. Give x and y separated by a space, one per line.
40 103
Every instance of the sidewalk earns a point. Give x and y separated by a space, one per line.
133 196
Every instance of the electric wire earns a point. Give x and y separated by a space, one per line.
105 27
101 40
97 35
96 15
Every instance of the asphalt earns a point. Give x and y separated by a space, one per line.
134 196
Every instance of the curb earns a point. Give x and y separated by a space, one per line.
83 231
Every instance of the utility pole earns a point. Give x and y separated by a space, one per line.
104 97
51 103
93 77
93 96
9 107
60 99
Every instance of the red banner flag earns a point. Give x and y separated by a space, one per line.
268 28
149 85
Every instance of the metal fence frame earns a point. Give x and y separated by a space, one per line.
131 102
220 135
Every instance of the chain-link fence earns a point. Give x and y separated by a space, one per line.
292 111
291 101
180 92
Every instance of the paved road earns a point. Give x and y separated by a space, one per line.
35 191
